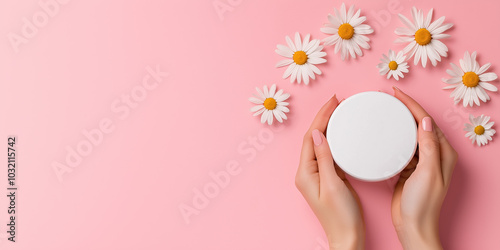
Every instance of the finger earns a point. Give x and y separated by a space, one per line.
321 119
307 177
428 150
446 150
448 157
398 190
320 122
327 174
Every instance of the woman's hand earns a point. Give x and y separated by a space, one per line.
325 188
422 186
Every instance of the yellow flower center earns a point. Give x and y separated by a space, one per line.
423 36
393 65
270 103
470 79
300 57
346 31
479 130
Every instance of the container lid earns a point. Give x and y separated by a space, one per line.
372 136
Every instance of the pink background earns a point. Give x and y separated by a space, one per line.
126 193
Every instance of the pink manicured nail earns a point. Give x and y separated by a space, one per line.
397 89
317 137
427 124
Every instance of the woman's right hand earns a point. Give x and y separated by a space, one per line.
422 186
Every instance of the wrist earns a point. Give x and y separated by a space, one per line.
414 236
347 241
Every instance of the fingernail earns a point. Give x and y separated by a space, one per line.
396 89
317 137
427 124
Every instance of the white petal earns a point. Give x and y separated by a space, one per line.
474 64
480 94
270 117
277 116
418 54
403 39
383 71
306 41
350 13
411 47
290 43
283 109
343 13
312 46
436 24
453 80
334 20
278 94
457 69
257 108
309 72
466 97
467 64
359 39
424 56
441 29
315 69
488 86
298 41
331 40
429 18
407 22
284 51
486 77
474 97
289 70
440 36
452 73
363 29
440 47
484 93
283 63
260 111
395 75
261 94
255 100
294 73
299 73
272 90
357 21
316 60
263 118
489 125
483 68
317 54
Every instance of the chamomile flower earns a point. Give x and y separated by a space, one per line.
302 57
393 65
347 32
423 37
479 130
470 81
270 103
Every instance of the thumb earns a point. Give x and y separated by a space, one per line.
428 143
326 167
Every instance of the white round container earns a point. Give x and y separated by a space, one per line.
372 136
